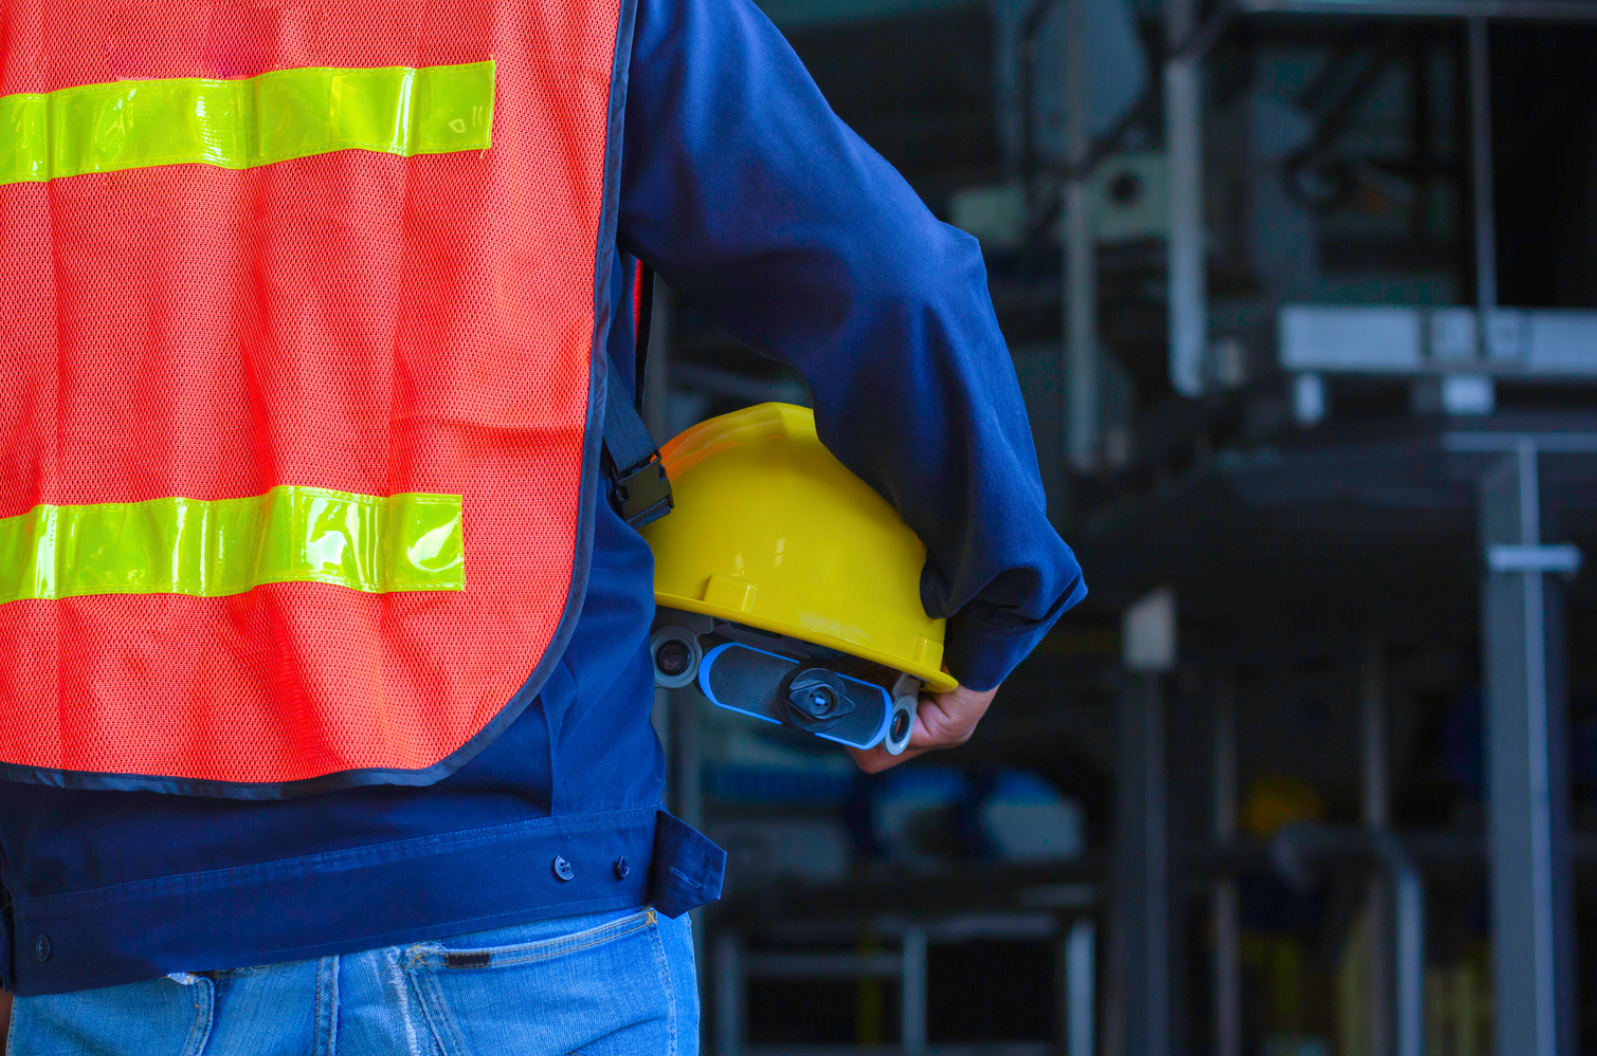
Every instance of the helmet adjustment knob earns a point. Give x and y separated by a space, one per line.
816 699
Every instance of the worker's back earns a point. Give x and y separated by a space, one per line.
299 333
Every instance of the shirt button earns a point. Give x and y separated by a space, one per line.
622 868
42 948
562 868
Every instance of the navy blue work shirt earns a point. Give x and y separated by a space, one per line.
767 214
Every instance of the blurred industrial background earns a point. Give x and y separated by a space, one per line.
1303 297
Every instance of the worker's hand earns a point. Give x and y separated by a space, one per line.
943 720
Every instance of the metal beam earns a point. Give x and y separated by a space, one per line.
1398 341
1376 799
912 998
1197 42
1142 895
1080 986
1227 909
794 14
1372 694
1298 847
1183 100
1010 109
1408 948
1531 909
1083 371
1515 10
1509 443
1480 142
729 993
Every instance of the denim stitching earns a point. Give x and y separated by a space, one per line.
435 1007
316 1013
200 1032
546 948
664 964
326 1042
335 965
504 962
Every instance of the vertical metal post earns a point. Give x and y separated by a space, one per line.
1083 371
1080 996
730 987
1009 110
1528 798
1480 139
1142 881
912 1003
1372 693
1375 809
1227 910
1408 898
1183 107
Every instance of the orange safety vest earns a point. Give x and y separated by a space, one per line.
301 312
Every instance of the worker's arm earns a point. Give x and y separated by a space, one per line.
775 220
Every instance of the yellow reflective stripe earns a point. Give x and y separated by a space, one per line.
219 547
245 123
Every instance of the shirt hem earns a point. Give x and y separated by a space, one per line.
360 899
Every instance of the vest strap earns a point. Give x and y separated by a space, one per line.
639 489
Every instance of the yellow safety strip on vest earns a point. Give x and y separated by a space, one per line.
214 548
242 124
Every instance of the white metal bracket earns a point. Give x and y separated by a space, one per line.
1564 558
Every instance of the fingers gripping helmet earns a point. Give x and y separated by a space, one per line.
786 588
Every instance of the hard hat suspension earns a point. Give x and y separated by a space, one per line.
784 680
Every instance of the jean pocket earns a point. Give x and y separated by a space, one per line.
603 990
158 1017
468 952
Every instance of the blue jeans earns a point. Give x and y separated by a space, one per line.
606 984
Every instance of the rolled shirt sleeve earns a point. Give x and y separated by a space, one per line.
772 218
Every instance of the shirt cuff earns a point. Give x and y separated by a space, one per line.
981 652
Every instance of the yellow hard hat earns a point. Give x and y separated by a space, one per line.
771 531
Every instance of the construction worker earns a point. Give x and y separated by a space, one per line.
325 717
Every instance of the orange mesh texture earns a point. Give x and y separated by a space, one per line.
354 321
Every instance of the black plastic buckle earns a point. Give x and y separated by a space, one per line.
642 494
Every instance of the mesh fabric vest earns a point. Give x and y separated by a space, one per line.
297 330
